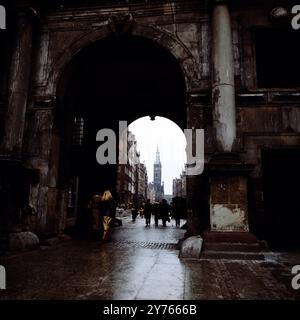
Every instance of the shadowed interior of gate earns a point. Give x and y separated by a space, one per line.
116 78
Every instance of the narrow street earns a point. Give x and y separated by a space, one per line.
142 263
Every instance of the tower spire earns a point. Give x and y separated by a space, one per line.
157 155
158 187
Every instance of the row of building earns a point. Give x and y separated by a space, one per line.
179 186
132 182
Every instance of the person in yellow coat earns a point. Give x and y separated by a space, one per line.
108 212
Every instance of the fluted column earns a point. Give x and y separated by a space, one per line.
228 174
223 90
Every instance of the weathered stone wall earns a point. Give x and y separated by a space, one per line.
264 118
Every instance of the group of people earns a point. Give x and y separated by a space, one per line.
161 210
102 209
102 213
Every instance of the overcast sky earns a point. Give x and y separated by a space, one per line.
171 143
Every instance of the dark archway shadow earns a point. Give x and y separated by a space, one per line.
116 78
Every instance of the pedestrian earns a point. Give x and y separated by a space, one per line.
156 213
95 223
148 212
134 211
164 210
176 211
108 213
141 211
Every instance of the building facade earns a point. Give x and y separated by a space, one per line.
228 67
132 180
142 181
151 192
179 186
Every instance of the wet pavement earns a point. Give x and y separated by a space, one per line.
142 263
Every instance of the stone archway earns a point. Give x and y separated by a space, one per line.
165 39
172 47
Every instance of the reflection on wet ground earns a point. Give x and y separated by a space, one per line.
141 263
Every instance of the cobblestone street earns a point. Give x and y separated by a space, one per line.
142 263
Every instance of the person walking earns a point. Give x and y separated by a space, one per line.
147 212
176 211
108 212
134 211
164 211
95 223
156 213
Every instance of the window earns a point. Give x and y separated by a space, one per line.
277 58
72 197
78 131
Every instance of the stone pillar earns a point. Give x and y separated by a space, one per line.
223 91
19 78
227 174
14 177
228 199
